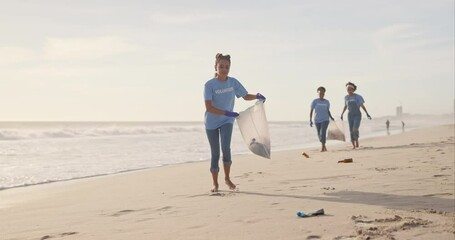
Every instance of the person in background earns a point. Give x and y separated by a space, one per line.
387 124
353 102
321 107
219 95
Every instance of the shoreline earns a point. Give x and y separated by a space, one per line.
398 186
291 148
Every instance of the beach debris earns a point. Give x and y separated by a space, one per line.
346 160
310 214
305 155
259 148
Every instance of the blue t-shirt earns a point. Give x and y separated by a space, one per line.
321 109
222 94
354 103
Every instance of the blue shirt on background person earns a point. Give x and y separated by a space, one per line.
321 108
354 103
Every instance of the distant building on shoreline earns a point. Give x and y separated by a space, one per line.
399 111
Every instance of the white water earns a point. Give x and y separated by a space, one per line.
40 152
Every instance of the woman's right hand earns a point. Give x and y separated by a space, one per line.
231 114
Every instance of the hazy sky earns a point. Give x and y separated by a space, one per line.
148 60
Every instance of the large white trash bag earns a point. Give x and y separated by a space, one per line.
255 130
336 132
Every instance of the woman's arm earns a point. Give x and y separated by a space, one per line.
330 115
365 109
311 117
209 108
344 109
250 97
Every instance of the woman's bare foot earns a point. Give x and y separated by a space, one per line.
215 188
356 143
230 184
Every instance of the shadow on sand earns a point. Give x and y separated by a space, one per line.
391 201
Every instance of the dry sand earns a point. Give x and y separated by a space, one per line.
398 187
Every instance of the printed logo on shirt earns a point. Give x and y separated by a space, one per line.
225 90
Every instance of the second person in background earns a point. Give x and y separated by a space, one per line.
321 107
353 102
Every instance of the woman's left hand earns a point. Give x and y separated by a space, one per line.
260 97
368 116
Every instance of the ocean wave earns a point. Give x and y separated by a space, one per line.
22 134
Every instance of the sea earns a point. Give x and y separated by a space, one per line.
44 152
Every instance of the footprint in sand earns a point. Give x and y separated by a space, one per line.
216 194
433 211
163 208
223 193
293 188
68 233
346 238
441 175
59 235
122 212
385 169
245 175
369 228
438 194
313 237
129 211
396 218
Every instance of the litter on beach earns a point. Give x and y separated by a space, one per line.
347 160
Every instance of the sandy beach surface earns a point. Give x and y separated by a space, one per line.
397 187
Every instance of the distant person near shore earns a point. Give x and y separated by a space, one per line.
353 102
219 96
321 107
387 124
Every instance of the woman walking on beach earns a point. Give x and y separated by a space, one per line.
321 107
353 102
219 96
